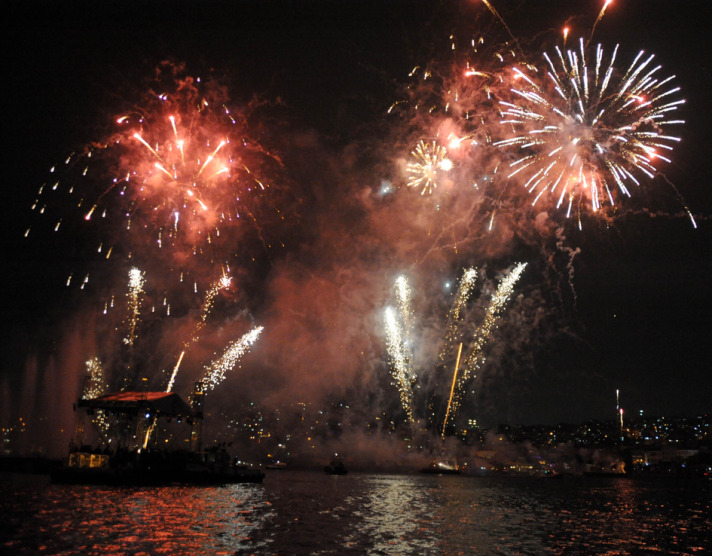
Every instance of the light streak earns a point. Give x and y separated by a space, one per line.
175 372
452 390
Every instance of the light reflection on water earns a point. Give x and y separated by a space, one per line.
311 513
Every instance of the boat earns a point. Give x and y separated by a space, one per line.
335 467
154 469
614 470
441 468
276 465
124 448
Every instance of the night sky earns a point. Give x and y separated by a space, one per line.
634 315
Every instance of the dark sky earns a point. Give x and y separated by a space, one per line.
639 309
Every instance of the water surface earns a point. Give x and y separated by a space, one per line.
297 512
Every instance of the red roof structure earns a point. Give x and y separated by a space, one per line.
166 403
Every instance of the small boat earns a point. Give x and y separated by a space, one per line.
614 470
276 465
335 467
441 468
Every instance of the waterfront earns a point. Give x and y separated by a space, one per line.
301 512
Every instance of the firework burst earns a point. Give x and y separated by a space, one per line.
587 132
430 163
177 182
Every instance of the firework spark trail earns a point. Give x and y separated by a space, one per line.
221 284
464 290
501 20
484 332
216 371
175 372
210 295
399 360
585 135
598 19
430 163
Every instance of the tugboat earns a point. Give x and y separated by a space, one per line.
335 467
126 451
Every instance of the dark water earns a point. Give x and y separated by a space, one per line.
312 513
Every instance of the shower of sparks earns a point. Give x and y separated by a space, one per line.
584 136
94 383
484 332
430 163
133 306
464 290
136 283
404 296
400 360
94 386
398 345
215 372
403 371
